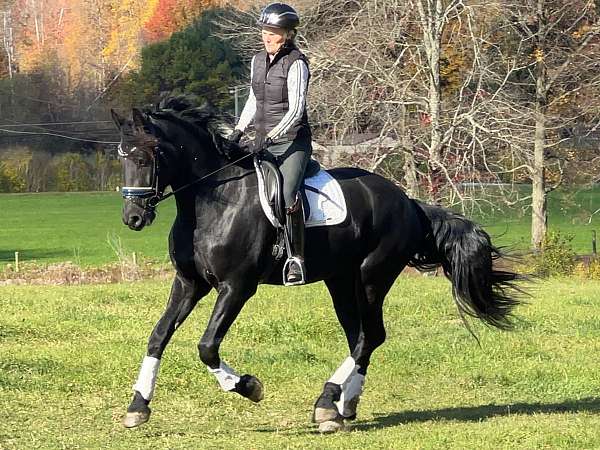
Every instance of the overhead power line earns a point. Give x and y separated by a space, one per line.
53 123
58 135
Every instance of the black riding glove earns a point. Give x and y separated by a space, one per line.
235 136
258 145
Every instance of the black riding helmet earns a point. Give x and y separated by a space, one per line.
279 15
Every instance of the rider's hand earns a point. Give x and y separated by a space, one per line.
235 136
255 147
258 145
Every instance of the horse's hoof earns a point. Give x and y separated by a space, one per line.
331 426
250 387
322 415
134 419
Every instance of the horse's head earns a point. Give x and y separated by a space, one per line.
176 145
139 151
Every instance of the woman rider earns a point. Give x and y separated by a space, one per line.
277 106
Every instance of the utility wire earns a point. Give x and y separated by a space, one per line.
58 135
53 123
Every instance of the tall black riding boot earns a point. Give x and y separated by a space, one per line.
296 272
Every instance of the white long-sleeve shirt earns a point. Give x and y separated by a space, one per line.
297 83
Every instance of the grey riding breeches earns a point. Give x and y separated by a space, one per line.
292 159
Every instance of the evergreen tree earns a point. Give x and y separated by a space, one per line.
192 61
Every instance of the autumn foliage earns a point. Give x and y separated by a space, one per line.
172 15
90 41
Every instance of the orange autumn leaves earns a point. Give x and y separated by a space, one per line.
90 41
172 15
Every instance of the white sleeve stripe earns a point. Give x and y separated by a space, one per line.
290 116
300 70
287 118
249 110
298 105
293 114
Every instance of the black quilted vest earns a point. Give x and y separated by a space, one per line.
269 83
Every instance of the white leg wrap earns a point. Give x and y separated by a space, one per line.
344 372
147 377
351 382
226 376
351 391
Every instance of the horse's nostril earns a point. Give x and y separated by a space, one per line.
135 221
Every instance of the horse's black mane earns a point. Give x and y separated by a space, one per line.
200 119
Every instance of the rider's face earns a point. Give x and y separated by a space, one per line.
273 38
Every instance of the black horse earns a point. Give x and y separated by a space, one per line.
221 239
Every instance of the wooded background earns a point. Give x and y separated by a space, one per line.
460 102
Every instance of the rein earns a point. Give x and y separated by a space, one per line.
156 197
164 197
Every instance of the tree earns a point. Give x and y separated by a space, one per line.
411 71
191 61
556 45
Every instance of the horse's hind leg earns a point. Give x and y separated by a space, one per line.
341 393
184 296
343 294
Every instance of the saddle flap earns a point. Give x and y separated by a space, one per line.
273 187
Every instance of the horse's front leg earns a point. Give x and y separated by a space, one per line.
184 296
232 297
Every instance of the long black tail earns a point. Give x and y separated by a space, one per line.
466 254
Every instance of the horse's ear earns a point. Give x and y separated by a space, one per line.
119 121
141 120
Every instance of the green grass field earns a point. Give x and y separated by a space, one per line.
69 355
570 212
77 227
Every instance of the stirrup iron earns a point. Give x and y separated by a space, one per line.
286 268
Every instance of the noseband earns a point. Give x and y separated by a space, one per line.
152 193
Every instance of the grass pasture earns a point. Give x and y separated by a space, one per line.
56 227
69 355
77 227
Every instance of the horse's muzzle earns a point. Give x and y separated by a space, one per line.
137 217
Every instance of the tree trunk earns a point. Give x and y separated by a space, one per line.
432 22
411 180
410 175
539 212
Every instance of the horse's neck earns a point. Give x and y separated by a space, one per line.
193 163
233 185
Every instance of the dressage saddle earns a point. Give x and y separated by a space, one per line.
273 185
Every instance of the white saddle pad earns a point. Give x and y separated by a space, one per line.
327 205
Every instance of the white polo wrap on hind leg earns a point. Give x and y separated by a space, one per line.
226 376
147 377
351 382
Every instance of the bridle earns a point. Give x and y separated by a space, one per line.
152 193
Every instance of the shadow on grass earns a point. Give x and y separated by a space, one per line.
478 413
460 414
7 256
